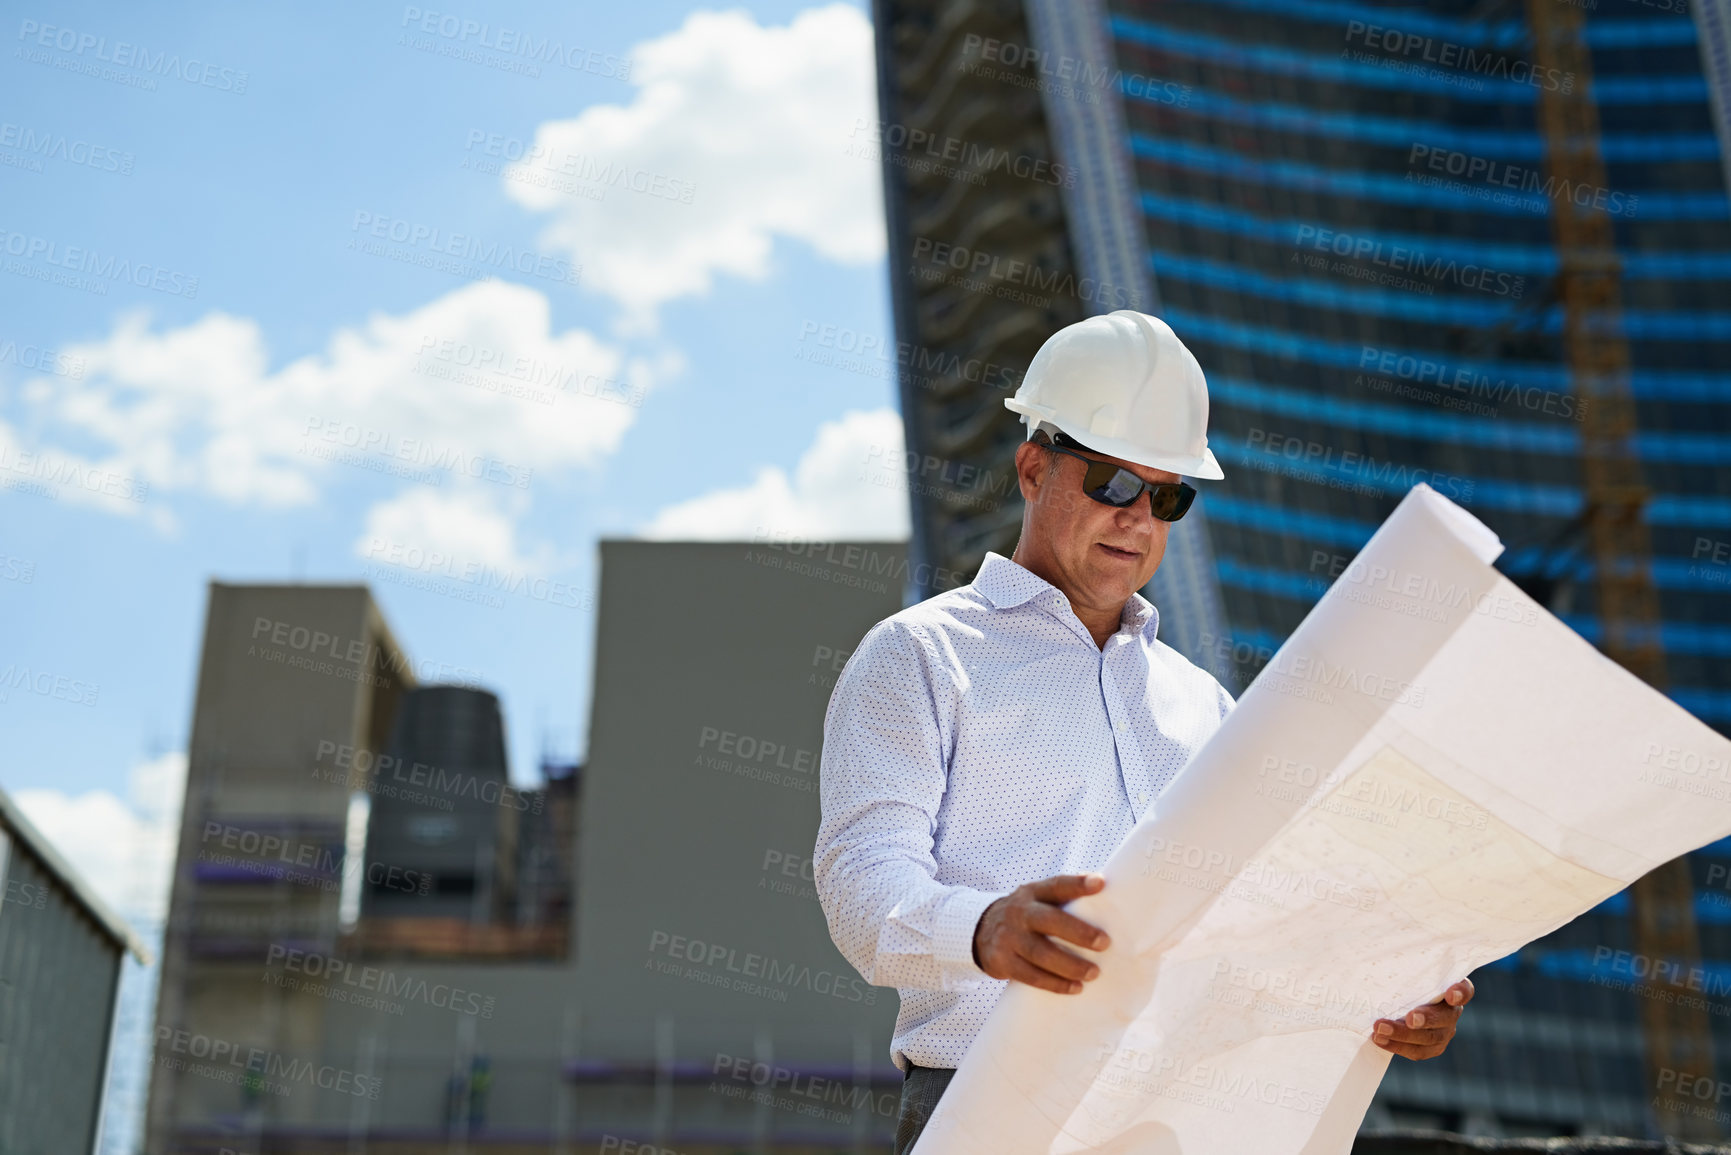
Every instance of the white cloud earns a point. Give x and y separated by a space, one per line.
755 123
849 485
123 848
466 526
474 383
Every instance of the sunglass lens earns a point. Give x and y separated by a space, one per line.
1112 485
1171 502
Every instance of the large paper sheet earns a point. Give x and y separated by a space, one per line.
1431 773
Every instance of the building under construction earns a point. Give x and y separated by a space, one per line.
377 943
1479 244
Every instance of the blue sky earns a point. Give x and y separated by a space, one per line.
753 225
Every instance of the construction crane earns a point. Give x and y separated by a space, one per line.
1615 497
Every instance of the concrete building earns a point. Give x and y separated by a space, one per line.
297 684
719 1008
61 952
686 995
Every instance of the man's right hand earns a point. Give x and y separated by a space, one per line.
1011 940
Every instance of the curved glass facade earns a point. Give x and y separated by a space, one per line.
1349 221
1349 217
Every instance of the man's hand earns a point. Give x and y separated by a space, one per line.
1011 940
1426 1032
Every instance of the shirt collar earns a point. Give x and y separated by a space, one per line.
1006 584
1140 613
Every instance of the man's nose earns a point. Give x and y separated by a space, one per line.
1139 514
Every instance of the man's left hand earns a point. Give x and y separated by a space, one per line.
1426 1031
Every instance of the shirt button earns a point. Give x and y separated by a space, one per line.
1142 799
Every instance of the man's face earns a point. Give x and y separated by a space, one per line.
1103 554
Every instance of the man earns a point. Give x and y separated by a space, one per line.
986 750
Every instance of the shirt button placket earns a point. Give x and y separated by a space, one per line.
1120 738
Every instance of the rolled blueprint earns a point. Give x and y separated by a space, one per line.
1431 773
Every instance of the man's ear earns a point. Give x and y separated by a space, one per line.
1031 470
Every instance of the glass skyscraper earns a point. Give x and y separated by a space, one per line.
1348 219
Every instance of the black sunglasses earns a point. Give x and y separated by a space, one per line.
1114 485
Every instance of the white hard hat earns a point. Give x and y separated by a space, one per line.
1123 385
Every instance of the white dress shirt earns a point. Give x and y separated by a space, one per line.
974 742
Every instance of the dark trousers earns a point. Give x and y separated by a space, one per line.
921 1091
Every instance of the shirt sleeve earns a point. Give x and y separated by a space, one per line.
882 778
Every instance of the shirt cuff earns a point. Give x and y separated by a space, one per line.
953 944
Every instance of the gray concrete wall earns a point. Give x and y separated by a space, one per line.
714 665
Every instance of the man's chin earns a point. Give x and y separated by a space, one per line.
1114 578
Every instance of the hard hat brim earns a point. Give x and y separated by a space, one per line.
1204 467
